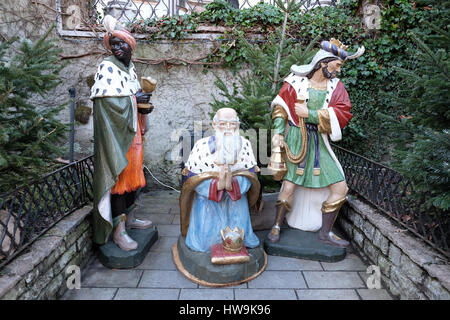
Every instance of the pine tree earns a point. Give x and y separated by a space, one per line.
422 134
29 134
270 63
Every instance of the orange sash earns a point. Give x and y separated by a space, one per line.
132 177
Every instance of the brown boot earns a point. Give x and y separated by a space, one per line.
274 234
329 215
134 223
121 237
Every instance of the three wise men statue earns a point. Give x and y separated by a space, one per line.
312 105
119 126
220 185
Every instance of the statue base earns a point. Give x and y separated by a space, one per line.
197 266
300 244
111 256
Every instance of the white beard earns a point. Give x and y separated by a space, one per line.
228 147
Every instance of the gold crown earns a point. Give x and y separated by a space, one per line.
232 240
339 44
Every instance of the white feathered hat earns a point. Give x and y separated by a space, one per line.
329 49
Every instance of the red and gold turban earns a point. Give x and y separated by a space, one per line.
114 29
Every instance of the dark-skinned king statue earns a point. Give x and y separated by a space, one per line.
120 110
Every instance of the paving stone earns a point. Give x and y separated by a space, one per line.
164 244
169 230
176 219
364 277
147 294
175 209
239 286
90 294
144 210
165 279
110 278
374 294
156 218
158 260
265 294
351 262
292 264
327 294
278 279
207 294
333 279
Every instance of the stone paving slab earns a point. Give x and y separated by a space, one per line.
265 294
147 294
285 263
351 262
176 219
207 294
110 278
333 279
164 244
276 279
90 294
158 260
156 218
165 279
169 230
328 294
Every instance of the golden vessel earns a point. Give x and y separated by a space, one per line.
148 85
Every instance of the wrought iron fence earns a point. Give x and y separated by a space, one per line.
27 212
392 194
131 10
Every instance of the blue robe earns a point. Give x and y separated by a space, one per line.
209 217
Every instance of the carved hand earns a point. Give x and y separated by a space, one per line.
228 179
301 110
142 97
222 176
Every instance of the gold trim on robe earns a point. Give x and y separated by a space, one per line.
324 125
188 193
279 112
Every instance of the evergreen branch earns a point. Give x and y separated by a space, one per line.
430 53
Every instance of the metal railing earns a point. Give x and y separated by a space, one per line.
29 211
391 193
131 10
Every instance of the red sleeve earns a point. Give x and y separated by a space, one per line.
288 94
340 102
214 194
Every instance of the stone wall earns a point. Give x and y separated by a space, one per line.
40 272
409 268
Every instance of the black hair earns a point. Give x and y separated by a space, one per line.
318 65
